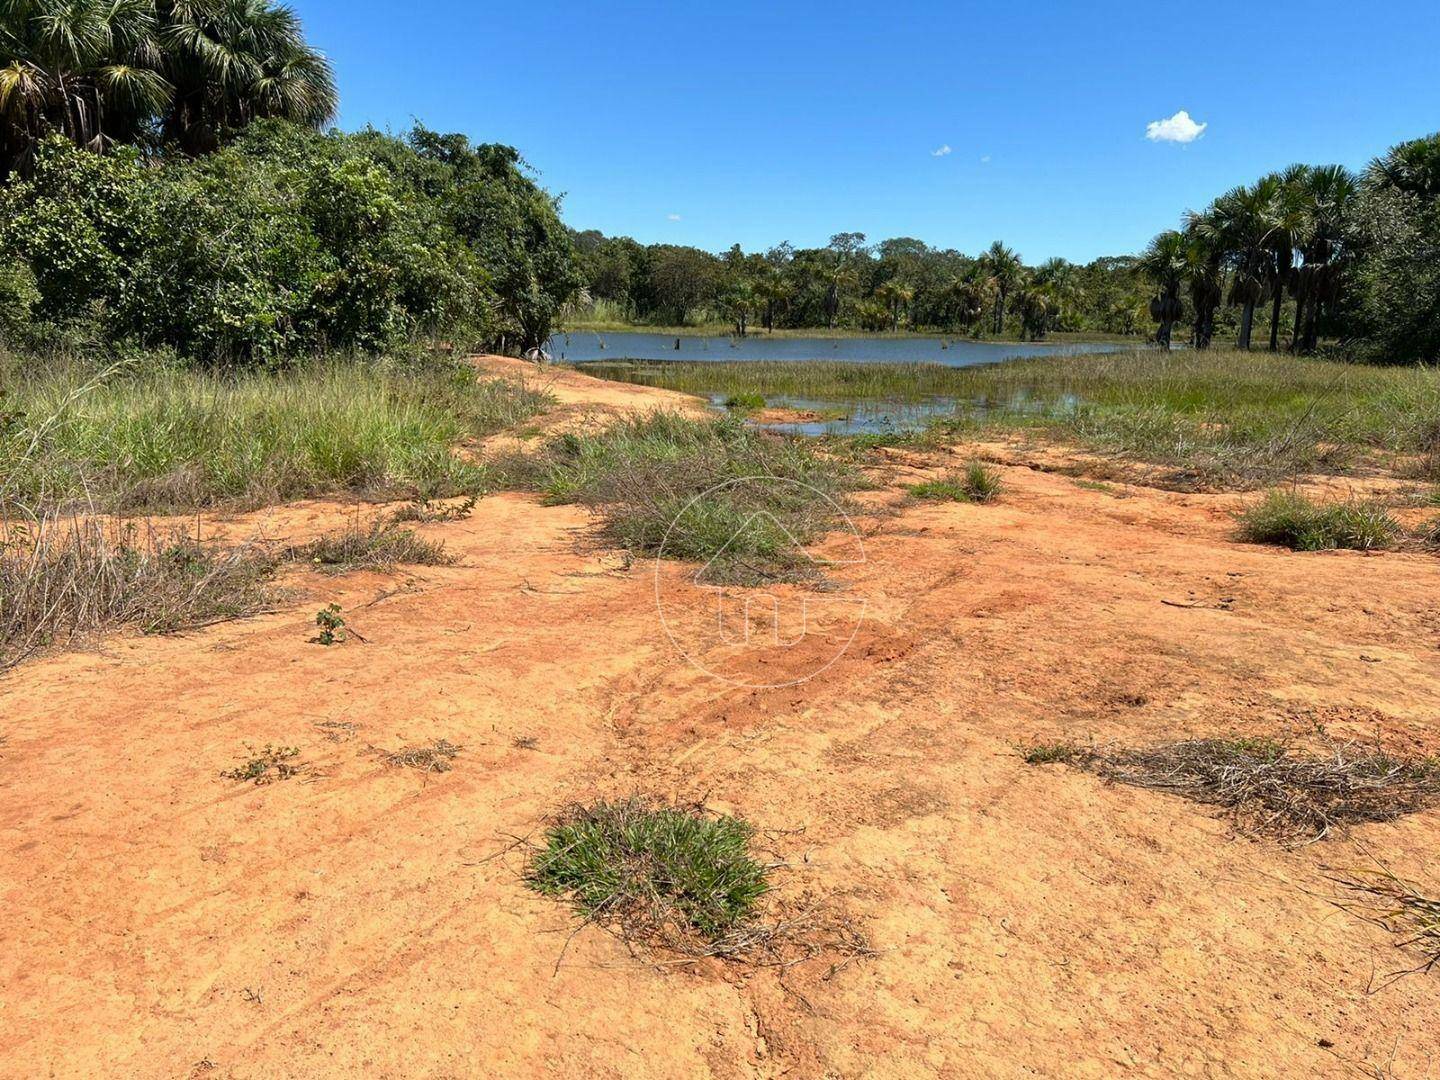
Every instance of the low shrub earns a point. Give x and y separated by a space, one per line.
1291 520
380 547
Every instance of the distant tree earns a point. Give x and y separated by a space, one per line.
1164 263
1005 269
1205 271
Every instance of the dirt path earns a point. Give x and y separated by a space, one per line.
365 920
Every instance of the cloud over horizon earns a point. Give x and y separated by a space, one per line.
940 151
1179 128
672 217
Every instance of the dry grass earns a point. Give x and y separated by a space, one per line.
382 546
435 758
1402 908
1268 788
65 581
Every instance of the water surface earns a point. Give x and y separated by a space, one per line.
952 352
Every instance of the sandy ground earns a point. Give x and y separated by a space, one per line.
367 920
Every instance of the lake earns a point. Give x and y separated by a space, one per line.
952 352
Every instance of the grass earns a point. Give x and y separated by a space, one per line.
435 758
715 491
978 483
64 582
745 402
1292 520
1214 419
1403 908
380 547
654 871
145 437
1265 786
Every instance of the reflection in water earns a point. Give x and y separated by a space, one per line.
878 417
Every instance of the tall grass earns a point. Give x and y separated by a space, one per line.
161 439
712 491
1219 417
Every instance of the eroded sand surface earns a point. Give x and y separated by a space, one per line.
364 920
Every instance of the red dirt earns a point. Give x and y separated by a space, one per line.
366 920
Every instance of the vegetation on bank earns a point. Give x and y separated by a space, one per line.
1216 418
745 502
145 435
1292 520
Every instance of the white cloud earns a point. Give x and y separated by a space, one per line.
940 151
672 217
1178 128
984 159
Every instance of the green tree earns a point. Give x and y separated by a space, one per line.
1005 270
1165 263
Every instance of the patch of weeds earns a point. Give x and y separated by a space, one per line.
745 402
431 511
65 581
712 491
1429 531
1095 485
267 766
380 547
1402 908
1269 789
434 758
337 730
656 870
683 879
939 491
1052 753
982 483
1292 520
331 624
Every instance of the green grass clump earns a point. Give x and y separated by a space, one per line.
652 870
1292 520
152 438
714 491
745 402
1051 753
978 483
380 547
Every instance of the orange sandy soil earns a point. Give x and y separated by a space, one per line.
367 920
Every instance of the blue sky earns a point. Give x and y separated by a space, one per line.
760 122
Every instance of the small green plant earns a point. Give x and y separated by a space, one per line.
429 510
940 491
1429 531
266 766
1050 753
331 624
745 402
652 870
1292 520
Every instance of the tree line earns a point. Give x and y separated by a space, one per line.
165 179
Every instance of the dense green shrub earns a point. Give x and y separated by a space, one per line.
18 297
289 243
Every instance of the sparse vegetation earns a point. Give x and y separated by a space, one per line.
658 872
745 402
431 510
435 758
1292 520
62 582
267 766
380 547
1213 419
717 491
1409 911
978 483
1266 786
1050 753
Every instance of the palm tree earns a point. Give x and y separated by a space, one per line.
1290 221
894 296
1004 268
1035 300
234 61
1205 270
85 69
1328 194
1244 221
106 71
1412 167
1165 262
971 296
